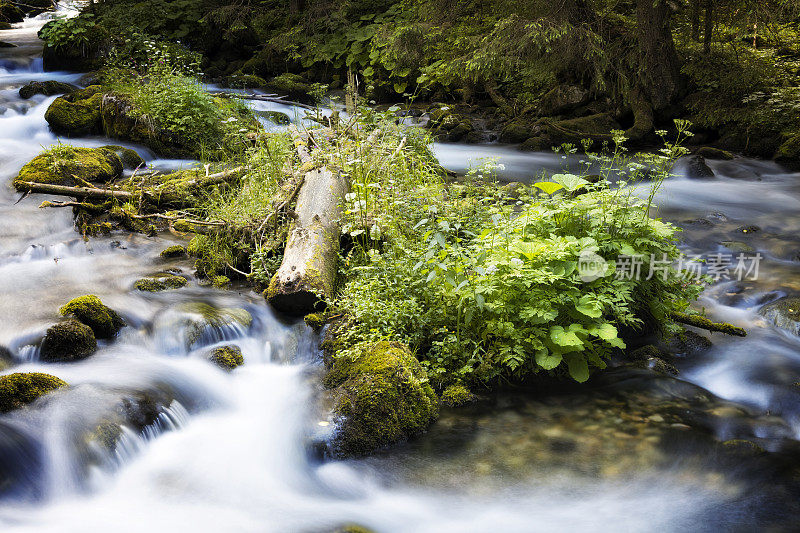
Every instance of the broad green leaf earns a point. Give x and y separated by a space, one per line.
578 367
548 360
571 182
548 186
589 306
565 339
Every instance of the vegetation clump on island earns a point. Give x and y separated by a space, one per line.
425 282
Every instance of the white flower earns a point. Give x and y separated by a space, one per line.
517 262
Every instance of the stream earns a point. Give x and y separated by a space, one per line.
232 451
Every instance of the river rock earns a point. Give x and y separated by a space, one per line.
563 98
61 164
380 397
68 341
160 282
47 88
76 114
244 81
709 152
282 119
131 160
688 343
104 321
227 357
292 85
784 313
519 130
173 251
20 389
457 395
696 168
788 153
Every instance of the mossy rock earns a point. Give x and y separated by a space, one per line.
538 143
784 313
10 12
35 7
120 120
519 131
61 164
130 158
710 152
315 320
68 341
47 88
213 323
788 153
6 359
106 435
20 389
221 282
104 321
743 448
353 528
227 357
244 81
160 282
281 119
381 397
173 251
696 168
457 395
563 98
292 85
77 113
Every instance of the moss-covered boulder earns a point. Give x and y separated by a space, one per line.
62 164
227 357
77 113
20 389
104 321
519 130
244 81
697 168
595 127
68 341
47 88
281 119
381 397
120 120
160 282
788 153
709 152
130 158
173 251
450 126
784 313
292 85
457 395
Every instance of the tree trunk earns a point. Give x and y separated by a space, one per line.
305 281
659 68
696 20
709 30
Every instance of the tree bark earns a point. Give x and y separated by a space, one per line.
74 192
305 281
696 20
659 68
709 29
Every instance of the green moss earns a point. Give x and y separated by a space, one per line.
175 250
160 282
130 158
244 81
382 396
743 447
277 117
77 113
104 321
457 395
292 85
227 357
210 316
20 389
353 528
788 153
61 164
106 435
68 341
715 153
221 282
47 88
316 320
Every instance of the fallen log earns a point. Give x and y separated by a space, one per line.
704 323
306 278
75 192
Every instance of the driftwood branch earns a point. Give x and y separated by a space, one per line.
75 192
704 323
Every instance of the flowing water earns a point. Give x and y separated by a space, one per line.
204 450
